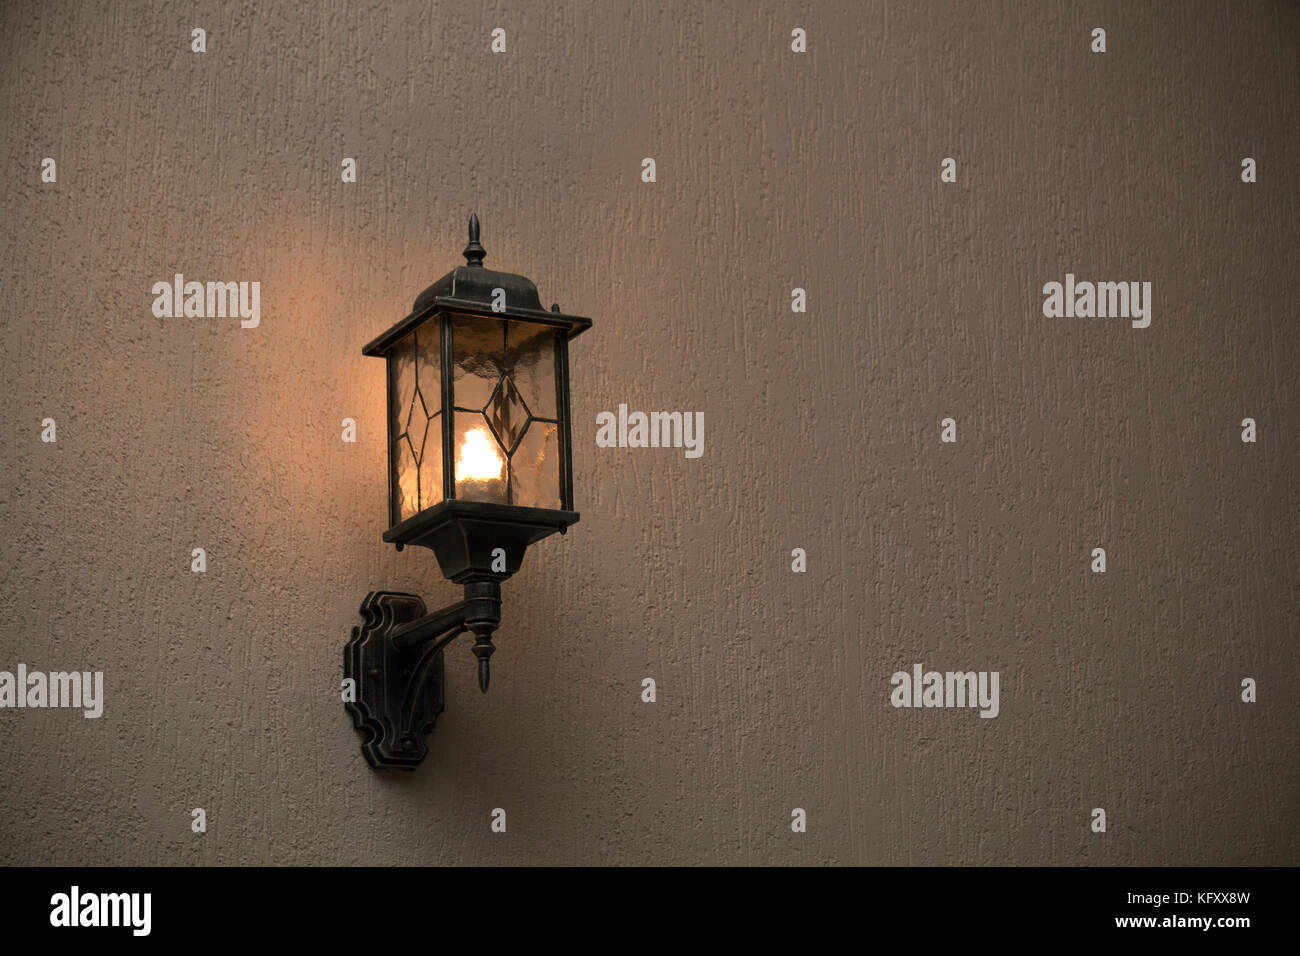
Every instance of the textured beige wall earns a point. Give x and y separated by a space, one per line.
774 171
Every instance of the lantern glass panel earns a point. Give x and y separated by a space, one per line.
507 434
531 350
479 358
535 467
414 422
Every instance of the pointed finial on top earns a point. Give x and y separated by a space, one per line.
474 253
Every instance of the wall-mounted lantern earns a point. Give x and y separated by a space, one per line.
480 466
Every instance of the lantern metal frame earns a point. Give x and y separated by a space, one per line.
395 658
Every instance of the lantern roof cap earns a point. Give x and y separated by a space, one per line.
474 289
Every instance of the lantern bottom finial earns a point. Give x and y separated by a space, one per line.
482 616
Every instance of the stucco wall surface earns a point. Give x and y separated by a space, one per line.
775 171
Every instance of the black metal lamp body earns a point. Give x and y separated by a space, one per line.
480 466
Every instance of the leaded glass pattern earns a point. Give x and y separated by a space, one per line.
507 436
415 428
534 468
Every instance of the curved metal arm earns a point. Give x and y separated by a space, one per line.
449 638
414 633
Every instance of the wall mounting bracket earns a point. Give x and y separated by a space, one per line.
395 662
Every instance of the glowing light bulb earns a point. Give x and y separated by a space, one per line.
479 460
